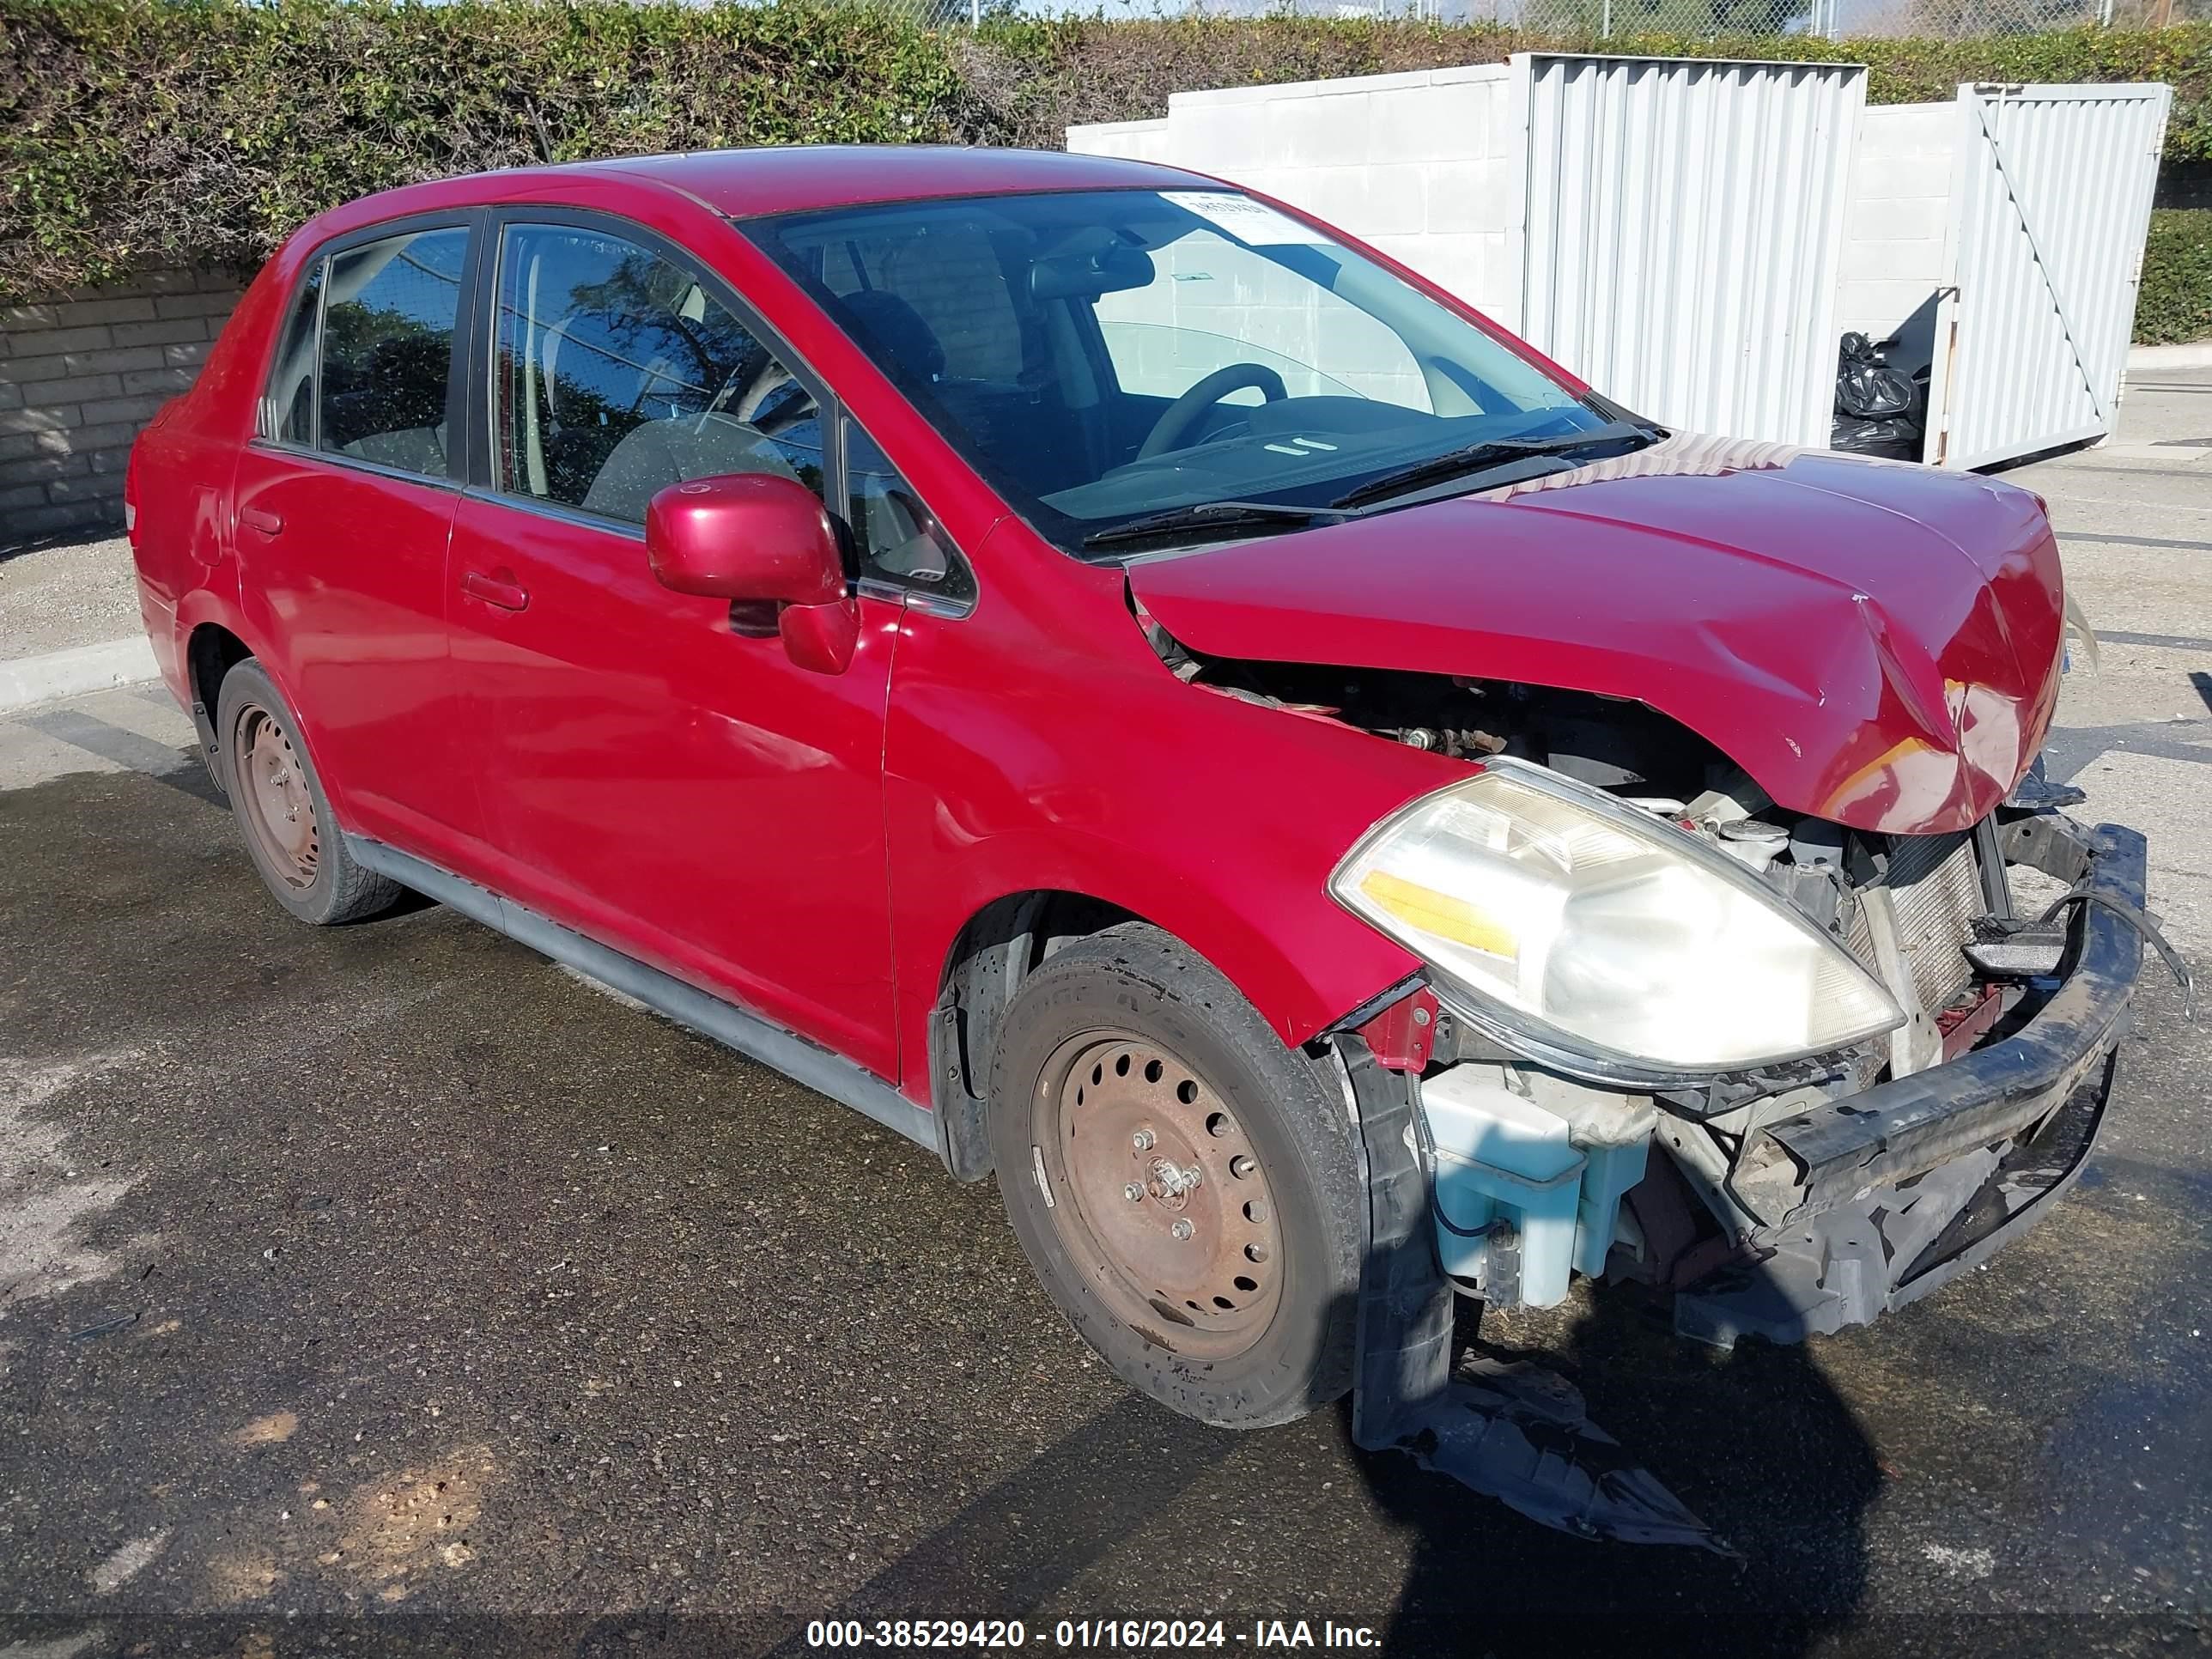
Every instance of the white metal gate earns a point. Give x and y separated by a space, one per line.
1684 230
2048 210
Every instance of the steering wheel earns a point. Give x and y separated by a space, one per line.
1180 416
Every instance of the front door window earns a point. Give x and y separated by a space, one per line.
616 373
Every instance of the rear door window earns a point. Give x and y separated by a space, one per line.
388 316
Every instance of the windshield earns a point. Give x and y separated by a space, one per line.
1103 357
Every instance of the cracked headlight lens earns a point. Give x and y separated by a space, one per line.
1590 934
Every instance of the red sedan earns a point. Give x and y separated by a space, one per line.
1135 691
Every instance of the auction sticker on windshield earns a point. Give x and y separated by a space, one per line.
1253 223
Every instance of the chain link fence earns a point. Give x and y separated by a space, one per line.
1829 19
1833 19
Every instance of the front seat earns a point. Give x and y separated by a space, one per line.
652 456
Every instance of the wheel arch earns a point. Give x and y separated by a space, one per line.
999 946
211 651
1001 943
215 639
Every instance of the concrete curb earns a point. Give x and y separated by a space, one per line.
2141 358
27 680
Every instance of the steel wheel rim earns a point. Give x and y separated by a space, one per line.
1161 1199
280 811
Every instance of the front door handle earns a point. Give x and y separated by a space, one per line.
499 589
260 519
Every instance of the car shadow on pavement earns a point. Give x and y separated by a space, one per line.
1033 1533
1755 1441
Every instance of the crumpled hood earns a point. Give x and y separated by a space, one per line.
1875 643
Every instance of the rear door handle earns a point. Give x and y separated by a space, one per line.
500 590
260 519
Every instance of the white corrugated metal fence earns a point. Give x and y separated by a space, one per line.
1685 221
2049 208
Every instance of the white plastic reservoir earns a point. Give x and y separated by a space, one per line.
1553 1170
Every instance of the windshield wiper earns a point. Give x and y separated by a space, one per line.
1492 451
1209 518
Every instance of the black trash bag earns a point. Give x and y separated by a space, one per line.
1880 410
1866 386
1898 439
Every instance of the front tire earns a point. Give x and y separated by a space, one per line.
282 811
1183 1186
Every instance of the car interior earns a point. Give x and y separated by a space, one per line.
1108 353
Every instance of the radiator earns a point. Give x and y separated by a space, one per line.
1937 887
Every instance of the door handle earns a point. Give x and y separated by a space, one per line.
261 519
500 590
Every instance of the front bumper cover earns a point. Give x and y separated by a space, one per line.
1872 1200
1884 1197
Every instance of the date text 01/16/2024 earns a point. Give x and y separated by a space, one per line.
1117 1635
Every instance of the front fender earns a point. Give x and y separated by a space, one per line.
1087 768
1298 957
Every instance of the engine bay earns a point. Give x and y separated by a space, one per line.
1941 888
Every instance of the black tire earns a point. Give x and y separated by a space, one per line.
258 740
1136 986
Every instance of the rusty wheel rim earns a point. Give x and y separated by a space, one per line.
280 812
1164 1207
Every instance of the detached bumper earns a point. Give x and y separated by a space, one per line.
1871 1201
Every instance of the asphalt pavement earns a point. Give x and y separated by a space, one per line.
389 1290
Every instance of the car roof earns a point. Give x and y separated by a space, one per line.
745 182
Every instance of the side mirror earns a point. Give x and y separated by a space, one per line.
758 540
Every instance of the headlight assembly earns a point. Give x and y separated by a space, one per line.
1600 938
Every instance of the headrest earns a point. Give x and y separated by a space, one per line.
896 329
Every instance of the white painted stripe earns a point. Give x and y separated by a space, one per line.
27 680
2143 359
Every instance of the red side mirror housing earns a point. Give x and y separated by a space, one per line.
754 538
751 536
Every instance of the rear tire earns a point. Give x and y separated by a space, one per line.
1225 1287
282 811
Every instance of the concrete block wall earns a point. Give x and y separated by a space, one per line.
1896 216
80 373
1696 237
1134 140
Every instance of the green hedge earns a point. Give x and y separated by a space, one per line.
2175 304
1037 78
199 131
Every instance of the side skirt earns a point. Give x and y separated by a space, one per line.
748 1033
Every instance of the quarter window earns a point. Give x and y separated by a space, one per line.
897 537
288 412
388 350
616 373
